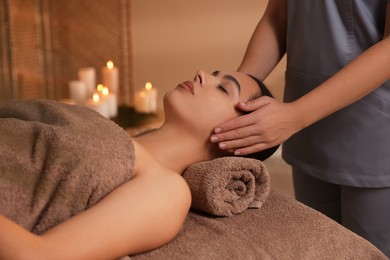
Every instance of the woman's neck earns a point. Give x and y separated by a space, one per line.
174 148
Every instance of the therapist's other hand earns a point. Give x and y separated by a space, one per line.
268 124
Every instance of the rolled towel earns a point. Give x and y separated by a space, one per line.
228 185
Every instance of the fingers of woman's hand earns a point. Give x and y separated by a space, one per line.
239 143
266 127
254 104
233 124
244 120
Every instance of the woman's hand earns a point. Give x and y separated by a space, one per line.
270 123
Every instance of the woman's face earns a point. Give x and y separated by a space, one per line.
208 99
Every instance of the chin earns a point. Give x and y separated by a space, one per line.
193 114
184 113
175 108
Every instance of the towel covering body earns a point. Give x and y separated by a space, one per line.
57 160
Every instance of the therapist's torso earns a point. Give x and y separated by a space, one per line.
352 146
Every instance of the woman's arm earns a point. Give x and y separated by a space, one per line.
273 122
268 43
140 215
18 243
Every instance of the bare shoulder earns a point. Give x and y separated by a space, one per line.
143 213
146 166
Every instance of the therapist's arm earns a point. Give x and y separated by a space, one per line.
353 82
273 122
268 42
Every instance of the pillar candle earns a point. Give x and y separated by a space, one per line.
141 102
152 95
110 77
88 76
99 105
112 102
146 99
78 91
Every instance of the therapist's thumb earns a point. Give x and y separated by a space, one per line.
255 104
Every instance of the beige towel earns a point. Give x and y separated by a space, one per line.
228 185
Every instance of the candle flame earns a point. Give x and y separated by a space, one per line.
105 91
142 94
95 97
148 86
100 87
110 64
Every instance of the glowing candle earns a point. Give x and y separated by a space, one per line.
141 103
110 77
99 105
95 98
146 99
112 102
99 88
152 97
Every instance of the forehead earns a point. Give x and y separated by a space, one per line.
249 87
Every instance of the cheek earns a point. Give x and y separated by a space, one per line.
217 110
202 113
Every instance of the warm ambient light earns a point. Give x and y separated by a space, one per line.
148 86
110 65
95 97
105 91
100 87
142 94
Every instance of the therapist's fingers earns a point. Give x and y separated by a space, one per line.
235 123
234 144
236 134
254 104
248 145
244 120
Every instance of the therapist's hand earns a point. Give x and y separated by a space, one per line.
270 123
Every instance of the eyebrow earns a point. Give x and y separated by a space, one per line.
230 78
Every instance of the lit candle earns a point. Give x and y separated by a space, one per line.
112 102
146 99
152 96
99 105
78 91
99 88
88 76
110 77
141 102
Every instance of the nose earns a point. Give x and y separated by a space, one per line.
200 77
204 78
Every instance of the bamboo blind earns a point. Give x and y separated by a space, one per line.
44 43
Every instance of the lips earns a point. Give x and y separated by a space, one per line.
187 85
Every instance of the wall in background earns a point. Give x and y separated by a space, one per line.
43 43
172 39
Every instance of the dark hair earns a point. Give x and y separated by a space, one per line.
264 154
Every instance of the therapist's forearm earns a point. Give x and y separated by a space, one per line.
353 82
16 242
268 43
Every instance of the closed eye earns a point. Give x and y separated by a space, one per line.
221 88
